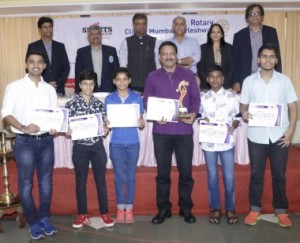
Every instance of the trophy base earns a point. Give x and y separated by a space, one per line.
183 113
183 117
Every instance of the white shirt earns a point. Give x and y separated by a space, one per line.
123 54
221 106
23 96
278 90
188 47
97 63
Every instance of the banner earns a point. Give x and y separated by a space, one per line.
73 32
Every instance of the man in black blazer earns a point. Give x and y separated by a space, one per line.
102 59
247 41
57 62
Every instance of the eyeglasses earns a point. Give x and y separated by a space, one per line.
254 14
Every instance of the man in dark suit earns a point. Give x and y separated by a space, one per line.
102 59
57 62
139 53
247 42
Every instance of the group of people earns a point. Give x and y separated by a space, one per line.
153 69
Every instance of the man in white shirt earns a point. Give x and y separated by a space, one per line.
188 47
33 149
270 87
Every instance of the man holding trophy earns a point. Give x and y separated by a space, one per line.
177 84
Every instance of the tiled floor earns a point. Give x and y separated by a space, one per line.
173 230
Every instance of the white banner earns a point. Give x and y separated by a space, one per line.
73 32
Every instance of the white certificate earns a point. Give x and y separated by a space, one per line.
86 126
160 108
265 115
123 115
214 132
51 118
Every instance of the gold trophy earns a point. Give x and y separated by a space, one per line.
182 111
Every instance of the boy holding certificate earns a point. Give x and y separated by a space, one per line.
124 146
86 150
221 106
267 86
34 149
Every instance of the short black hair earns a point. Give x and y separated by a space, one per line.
43 20
121 70
139 16
251 7
268 46
167 43
34 52
88 75
213 68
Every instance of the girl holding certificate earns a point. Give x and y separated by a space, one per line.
88 150
124 145
220 105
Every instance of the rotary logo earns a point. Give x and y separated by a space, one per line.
225 24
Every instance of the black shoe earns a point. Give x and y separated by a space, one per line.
161 216
188 216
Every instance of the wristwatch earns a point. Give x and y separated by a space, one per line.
179 61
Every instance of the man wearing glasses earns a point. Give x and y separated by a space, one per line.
247 42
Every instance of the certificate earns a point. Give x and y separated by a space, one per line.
214 132
265 115
86 126
51 118
123 115
160 108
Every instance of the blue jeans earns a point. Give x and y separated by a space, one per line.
31 154
183 146
258 154
82 156
227 165
124 158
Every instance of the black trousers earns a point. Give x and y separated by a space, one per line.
183 146
278 160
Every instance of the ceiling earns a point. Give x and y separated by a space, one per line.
10 9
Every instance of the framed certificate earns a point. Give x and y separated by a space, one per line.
86 126
160 108
265 115
214 132
123 115
51 118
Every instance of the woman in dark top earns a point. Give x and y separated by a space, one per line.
216 51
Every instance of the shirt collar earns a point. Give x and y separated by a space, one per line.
274 74
29 80
220 91
93 98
